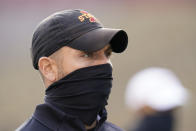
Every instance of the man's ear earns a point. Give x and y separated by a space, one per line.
48 68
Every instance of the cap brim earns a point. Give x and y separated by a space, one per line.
98 38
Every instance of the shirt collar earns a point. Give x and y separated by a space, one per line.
52 117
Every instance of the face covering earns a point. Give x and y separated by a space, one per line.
82 93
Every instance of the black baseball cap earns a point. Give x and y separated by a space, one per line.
77 29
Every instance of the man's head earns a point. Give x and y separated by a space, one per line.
73 39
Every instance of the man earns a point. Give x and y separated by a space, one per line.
155 94
71 49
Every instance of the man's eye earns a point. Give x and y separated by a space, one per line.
86 55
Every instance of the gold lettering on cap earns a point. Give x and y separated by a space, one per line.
86 15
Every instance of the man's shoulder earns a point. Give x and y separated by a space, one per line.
32 125
107 126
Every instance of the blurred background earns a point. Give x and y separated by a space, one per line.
161 33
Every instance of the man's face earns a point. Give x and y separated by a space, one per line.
69 59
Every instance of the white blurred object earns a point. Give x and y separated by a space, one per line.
158 88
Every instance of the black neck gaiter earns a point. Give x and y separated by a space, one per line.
82 93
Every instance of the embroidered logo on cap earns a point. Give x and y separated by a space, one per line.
86 15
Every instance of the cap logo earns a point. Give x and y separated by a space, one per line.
86 15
